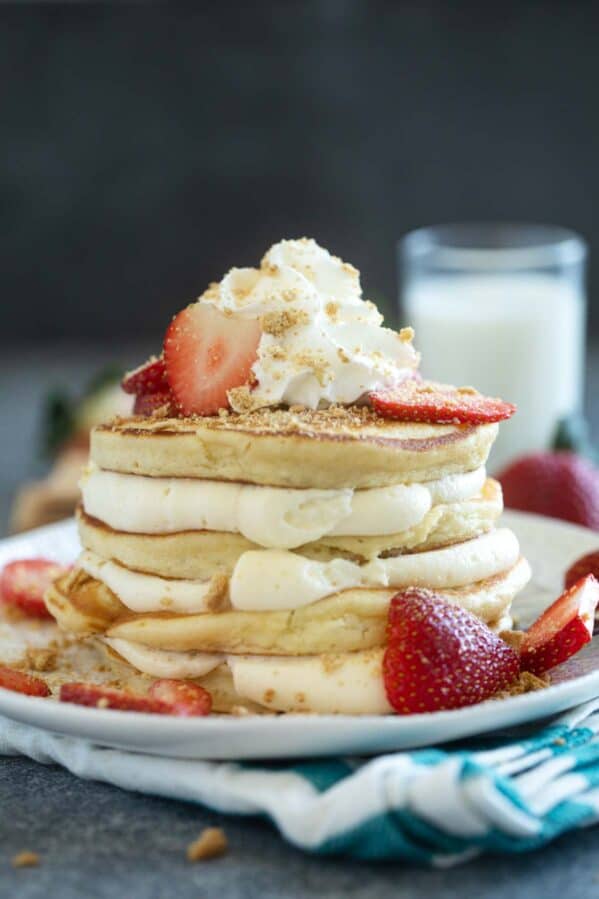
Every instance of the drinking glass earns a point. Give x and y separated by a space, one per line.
501 307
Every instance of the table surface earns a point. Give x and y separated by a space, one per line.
98 841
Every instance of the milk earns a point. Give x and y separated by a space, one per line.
518 336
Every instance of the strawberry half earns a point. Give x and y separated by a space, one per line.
207 354
439 656
182 697
422 401
23 683
564 628
148 403
561 485
147 378
24 582
100 697
588 564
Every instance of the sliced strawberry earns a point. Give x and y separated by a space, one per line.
24 582
439 656
108 698
148 403
422 401
588 564
147 378
562 629
182 697
23 683
207 354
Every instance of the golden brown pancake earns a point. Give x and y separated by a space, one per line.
332 448
353 619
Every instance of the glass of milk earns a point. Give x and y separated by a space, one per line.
501 307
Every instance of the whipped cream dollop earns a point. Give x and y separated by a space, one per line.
274 517
321 342
274 580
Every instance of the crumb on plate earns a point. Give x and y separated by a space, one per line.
211 843
25 859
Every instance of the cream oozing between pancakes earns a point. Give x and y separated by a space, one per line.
272 517
268 580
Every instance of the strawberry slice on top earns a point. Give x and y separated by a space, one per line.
147 378
207 354
148 403
564 628
423 401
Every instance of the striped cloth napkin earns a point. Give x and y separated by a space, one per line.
432 806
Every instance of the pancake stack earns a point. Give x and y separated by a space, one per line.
256 552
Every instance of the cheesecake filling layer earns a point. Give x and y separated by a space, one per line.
165 663
273 517
345 683
271 580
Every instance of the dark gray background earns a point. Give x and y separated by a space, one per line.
146 148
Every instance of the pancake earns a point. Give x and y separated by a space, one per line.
354 619
332 448
201 554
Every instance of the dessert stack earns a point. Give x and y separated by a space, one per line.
286 473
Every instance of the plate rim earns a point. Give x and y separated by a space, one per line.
523 708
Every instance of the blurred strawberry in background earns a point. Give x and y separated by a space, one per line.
64 439
559 484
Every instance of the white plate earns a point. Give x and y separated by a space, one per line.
549 545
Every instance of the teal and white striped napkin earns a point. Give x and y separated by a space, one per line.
431 806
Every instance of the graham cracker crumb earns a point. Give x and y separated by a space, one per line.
277 323
25 859
513 638
406 335
41 659
217 597
315 361
241 399
331 663
211 843
525 683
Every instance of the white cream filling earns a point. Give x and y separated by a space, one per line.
165 663
147 592
274 517
276 579
349 684
270 580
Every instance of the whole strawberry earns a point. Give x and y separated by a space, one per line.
439 656
560 485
